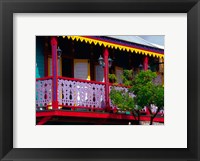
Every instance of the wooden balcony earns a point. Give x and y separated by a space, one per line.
73 93
80 98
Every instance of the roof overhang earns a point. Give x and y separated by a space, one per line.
116 44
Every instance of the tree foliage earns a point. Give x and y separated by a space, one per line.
122 99
127 77
145 91
159 97
112 78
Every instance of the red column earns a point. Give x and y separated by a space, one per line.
54 72
106 72
146 63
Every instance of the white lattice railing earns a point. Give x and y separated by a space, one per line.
43 92
80 93
76 93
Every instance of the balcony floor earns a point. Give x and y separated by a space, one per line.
80 117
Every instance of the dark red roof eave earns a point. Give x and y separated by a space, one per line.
159 51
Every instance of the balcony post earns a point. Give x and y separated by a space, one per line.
106 72
54 72
146 63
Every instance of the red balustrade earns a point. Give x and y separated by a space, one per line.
77 93
80 93
43 92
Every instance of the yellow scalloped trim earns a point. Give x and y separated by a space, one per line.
116 46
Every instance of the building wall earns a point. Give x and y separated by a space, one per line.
39 57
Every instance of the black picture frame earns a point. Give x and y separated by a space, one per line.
8 7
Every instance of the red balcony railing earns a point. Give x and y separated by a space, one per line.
81 93
43 92
77 93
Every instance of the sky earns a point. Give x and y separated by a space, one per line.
148 40
154 39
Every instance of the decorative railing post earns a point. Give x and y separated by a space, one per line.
54 72
146 63
106 72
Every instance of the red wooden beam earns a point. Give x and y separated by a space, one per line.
83 107
80 80
146 63
44 78
54 72
78 121
44 120
45 113
106 72
99 115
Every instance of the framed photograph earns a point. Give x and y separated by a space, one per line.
112 94
78 77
